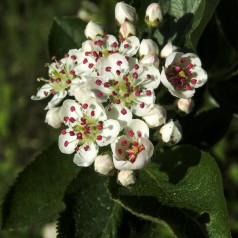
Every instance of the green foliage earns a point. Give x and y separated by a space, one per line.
89 209
66 33
182 189
38 191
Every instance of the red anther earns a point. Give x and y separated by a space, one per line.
66 55
121 39
51 80
98 82
139 134
177 68
127 58
46 93
125 78
188 87
119 63
109 109
72 109
58 80
66 119
118 72
132 157
123 111
100 42
95 54
106 85
85 61
136 66
148 76
106 37
135 75
137 93
100 54
85 106
114 93
128 84
71 133
131 89
123 143
53 92
193 81
79 136
76 149
68 81
114 44
117 101
99 137
135 143
66 143
71 119
148 92
131 133
100 127
53 58
62 71
126 46
92 113
108 69
87 53
189 73
86 148
182 80
73 57
115 82
63 132
90 65
126 95
189 66
183 60
99 94
72 72
142 105
119 151
86 132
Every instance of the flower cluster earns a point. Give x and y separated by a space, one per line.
104 95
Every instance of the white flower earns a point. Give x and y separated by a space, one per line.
167 49
126 178
103 164
93 30
148 47
171 132
185 105
182 74
150 59
127 29
155 117
153 15
133 150
125 84
124 12
88 128
64 75
52 117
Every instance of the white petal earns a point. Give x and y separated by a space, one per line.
67 143
174 57
58 97
134 45
110 131
43 92
143 103
165 81
200 76
194 59
70 108
155 117
115 113
109 43
96 107
148 70
84 157
52 117
182 94
138 127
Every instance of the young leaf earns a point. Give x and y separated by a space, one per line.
66 33
88 207
183 189
38 191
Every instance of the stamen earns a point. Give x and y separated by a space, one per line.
85 106
72 109
123 143
99 137
123 111
131 133
86 148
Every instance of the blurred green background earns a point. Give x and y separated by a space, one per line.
24 30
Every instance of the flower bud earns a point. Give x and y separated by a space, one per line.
171 132
150 59
127 29
155 117
92 30
103 164
52 117
153 15
148 47
168 49
124 12
126 178
185 105
88 46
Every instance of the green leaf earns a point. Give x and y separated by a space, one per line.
183 190
184 21
88 207
66 33
38 191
